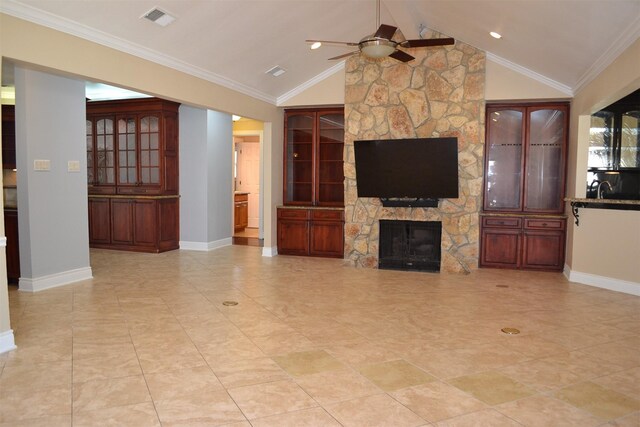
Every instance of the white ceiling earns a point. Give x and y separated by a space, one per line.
234 42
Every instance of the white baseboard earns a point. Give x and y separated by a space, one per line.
604 282
205 246
7 342
270 251
54 280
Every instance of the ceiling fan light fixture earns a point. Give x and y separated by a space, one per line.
495 35
377 48
315 45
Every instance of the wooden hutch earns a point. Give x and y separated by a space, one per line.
522 223
132 173
311 222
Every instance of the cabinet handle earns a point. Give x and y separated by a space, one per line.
501 222
544 224
295 155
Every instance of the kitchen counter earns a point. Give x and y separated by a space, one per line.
577 203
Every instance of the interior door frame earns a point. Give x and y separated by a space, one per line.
260 135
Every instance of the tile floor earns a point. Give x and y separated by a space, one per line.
312 342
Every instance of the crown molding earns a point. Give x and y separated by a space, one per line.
68 26
309 83
624 40
531 74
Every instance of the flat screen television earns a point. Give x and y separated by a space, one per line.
420 168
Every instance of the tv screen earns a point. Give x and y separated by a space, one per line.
407 168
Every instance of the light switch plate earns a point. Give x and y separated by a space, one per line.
42 165
73 166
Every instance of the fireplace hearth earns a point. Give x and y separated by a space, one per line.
410 245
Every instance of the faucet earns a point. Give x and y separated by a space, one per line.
599 195
594 182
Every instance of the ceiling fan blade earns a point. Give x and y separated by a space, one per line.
401 56
332 42
428 42
385 32
345 55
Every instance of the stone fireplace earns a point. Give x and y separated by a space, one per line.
438 94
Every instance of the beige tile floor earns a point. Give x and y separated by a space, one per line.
312 342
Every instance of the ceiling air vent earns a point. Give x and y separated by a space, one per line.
276 71
159 17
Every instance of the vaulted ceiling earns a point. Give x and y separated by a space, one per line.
234 42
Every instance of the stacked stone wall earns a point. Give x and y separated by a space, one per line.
438 94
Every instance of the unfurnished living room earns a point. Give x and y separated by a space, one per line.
320 213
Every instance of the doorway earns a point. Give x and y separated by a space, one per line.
247 183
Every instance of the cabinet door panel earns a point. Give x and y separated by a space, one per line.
500 248
293 237
544 177
543 250
326 239
504 157
99 221
121 221
144 214
330 169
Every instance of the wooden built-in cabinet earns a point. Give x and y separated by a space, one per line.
311 223
311 232
132 173
240 211
523 225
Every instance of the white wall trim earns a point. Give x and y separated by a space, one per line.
54 280
69 26
205 246
530 73
270 251
309 83
604 282
626 38
7 343
3 242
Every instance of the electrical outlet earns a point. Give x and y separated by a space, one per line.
73 166
42 165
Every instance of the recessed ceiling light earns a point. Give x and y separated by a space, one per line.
235 118
276 71
495 35
316 45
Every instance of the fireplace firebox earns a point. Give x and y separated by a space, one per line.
410 245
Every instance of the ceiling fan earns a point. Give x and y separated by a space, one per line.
381 43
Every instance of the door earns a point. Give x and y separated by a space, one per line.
122 221
99 221
248 178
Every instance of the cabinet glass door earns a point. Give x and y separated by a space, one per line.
630 140
299 159
150 150
330 159
504 160
90 152
127 171
545 160
104 152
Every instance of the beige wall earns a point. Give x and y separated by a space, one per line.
606 244
506 84
40 47
329 91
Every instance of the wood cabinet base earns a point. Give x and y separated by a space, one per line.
522 242
311 232
134 224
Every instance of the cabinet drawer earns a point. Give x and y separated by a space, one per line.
293 213
544 224
501 221
327 215
241 197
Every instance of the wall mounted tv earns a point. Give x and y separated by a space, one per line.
419 168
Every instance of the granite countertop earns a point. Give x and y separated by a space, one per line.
326 208
133 196
602 201
240 192
523 214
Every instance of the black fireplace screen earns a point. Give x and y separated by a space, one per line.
410 245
